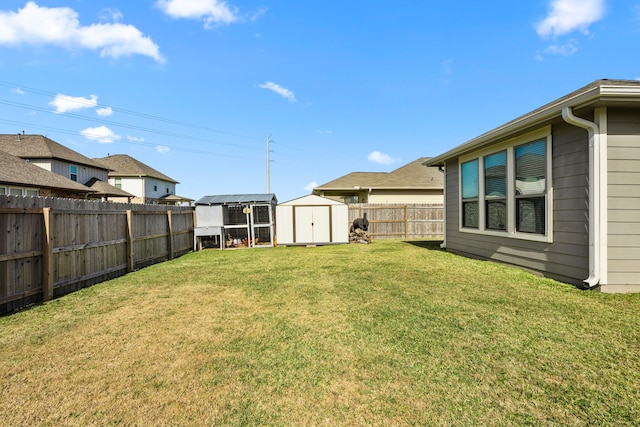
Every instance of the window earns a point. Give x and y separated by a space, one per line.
505 189
73 173
117 182
530 187
495 190
167 190
3 190
155 185
470 194
15 191
31 192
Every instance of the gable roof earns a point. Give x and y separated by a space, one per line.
598 93
237 199
102 188
412 176
125 165
19 172
41 147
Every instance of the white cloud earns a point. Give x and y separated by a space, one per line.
566 49
283 92
324 132
65 103
18 91
162 149
310 186
134 139
104 112
210 11
110 15
60 26
566 16
102 134
381 158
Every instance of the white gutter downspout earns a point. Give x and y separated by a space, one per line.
443 171
594 193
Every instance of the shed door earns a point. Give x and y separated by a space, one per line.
312 224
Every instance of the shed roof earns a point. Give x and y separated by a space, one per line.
410 176
19 172
125 165
41 147
237 199
311 200
598 93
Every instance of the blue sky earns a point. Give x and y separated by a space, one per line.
194 88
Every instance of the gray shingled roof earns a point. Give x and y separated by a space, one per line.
41 147
410 176
102 188
237 198
19 172
125 165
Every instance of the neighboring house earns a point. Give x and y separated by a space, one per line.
411 183
555 191
20 178
60 160
145 183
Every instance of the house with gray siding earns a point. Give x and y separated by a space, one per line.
555 191
146 184
45 153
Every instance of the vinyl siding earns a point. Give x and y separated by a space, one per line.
623 198
399 196
566 258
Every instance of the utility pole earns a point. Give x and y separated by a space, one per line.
268 161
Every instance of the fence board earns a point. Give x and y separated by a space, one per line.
50 247
401 221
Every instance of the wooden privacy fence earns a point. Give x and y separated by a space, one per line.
52 247
401 221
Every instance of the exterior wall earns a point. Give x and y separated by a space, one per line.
623 200
566 257
85 173
394 197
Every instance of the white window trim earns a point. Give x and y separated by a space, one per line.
509 145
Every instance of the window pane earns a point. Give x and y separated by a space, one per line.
32 192
530 212
531 168
495 174
15 191
496 215
3 190
470 214
470 180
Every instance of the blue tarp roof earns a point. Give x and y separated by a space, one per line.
229 199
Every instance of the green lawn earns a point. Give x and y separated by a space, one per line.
391 333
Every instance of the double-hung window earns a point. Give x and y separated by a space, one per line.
505 190
73 172
470 208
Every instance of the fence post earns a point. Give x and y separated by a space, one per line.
47 256
406 222
129 240
170 237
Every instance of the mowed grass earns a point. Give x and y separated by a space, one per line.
392 333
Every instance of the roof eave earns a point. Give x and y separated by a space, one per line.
579 99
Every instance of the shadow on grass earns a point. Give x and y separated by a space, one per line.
432 245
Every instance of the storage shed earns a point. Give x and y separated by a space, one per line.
235 220
312 220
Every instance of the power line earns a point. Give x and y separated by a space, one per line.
147 144
126 111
